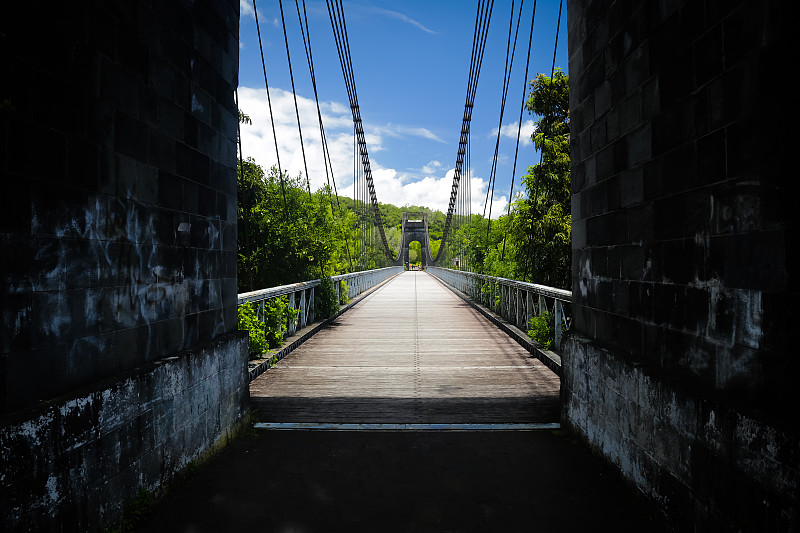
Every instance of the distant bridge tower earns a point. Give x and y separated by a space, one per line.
415 229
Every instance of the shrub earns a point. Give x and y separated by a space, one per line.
270 332
248 321
326 304
542 329
277 315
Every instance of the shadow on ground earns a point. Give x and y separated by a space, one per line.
320 481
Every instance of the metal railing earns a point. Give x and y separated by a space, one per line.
515 301
301 296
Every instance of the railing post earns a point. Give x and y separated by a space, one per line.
290 327
557 325
528 308
303 308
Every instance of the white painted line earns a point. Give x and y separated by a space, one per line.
313 426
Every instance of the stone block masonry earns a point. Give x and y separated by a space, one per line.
118 245
73 462
682 368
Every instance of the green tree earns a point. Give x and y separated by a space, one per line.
542 229
287 235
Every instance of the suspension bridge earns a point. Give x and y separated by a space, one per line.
414 354
422 374
413 321
422 404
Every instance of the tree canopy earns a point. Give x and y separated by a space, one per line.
543 223
286 234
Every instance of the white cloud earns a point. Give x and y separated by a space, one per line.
258 141
395 130
431 168
404 18
246 9
391 186
510 131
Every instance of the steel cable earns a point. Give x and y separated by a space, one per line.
269 103
326 157
506 83
482 21
294 96
339 25
510 225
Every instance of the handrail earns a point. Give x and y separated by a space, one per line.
512 299
301 295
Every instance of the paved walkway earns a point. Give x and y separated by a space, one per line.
410 353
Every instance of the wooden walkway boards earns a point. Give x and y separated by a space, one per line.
409 353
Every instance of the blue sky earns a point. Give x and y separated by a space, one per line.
411 63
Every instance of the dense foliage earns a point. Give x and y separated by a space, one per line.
543 222
287 234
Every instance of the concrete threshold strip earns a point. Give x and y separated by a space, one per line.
322 426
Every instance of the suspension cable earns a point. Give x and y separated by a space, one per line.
506 83
550 96
482 21
339 25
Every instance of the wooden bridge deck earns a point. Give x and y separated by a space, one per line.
410 352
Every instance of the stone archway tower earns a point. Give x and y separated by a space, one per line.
415 229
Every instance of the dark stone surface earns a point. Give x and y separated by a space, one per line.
117 194
100 445
678 195
110 200
404 481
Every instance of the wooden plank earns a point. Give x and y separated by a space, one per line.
412 352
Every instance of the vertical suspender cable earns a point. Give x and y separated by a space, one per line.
552 73
294 95
506 83
519 129
326 156
269 103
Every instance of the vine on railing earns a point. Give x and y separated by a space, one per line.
271 315
542 311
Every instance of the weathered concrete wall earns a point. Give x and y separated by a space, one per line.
117 234
72 464
684 272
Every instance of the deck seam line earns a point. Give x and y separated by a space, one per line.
412 426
